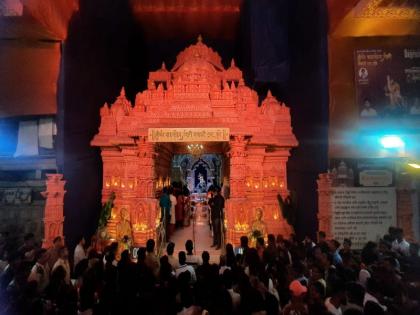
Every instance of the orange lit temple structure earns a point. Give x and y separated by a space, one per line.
201 96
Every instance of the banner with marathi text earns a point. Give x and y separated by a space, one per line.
388 82
188 134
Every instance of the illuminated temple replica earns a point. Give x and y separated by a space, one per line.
198 92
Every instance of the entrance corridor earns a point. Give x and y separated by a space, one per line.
199 232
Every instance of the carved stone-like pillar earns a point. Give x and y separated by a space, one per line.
236 213
405 192
274 183
237 156
324 204
53 214
145 212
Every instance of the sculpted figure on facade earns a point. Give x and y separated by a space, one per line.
258 225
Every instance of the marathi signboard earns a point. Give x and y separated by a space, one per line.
388 82
188 134
362 214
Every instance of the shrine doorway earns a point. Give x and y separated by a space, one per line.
198 172
193 174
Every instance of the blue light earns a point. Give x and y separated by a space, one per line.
392 142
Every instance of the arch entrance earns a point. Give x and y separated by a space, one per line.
198 101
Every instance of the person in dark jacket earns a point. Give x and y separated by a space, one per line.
217 204
165 210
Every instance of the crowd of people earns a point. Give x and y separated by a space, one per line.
175 206
278 276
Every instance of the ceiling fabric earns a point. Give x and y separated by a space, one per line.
187 18
28 78
52 14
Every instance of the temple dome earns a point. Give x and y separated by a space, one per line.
199 51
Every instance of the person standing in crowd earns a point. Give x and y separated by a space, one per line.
79 252
151 261
28 249
165 210
179 209
40 272
192 259
63 261
54 251
170 253
183 267
400 245
172 220
217 204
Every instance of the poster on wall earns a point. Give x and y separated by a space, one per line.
369 172
362 214
388 82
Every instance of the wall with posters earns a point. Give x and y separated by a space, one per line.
362 214
350 86
388 81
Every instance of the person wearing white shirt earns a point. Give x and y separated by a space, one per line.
191 258
368 110
79 252
236 297
170 253
400 245
371 293
184 267
63 261
40 271
172 220
338 296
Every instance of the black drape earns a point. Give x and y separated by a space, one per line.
281 45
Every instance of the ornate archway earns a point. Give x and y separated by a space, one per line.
207 101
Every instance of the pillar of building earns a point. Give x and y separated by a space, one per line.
405 193
324 203
274 183
237 211
144 216
53 215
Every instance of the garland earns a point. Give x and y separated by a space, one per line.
288 209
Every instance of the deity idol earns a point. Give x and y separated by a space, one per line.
258 227
124 232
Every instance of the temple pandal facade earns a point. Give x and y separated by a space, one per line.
197 101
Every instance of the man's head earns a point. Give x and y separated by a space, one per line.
205 256
338 291
244 241
414 249
82 241
333 245
321 236
165 190
317 291
63 253
58 242
366 103
182 257
347 243
170 248
150 245
189 246
42 256
29 239
260 242
355 293
399 234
